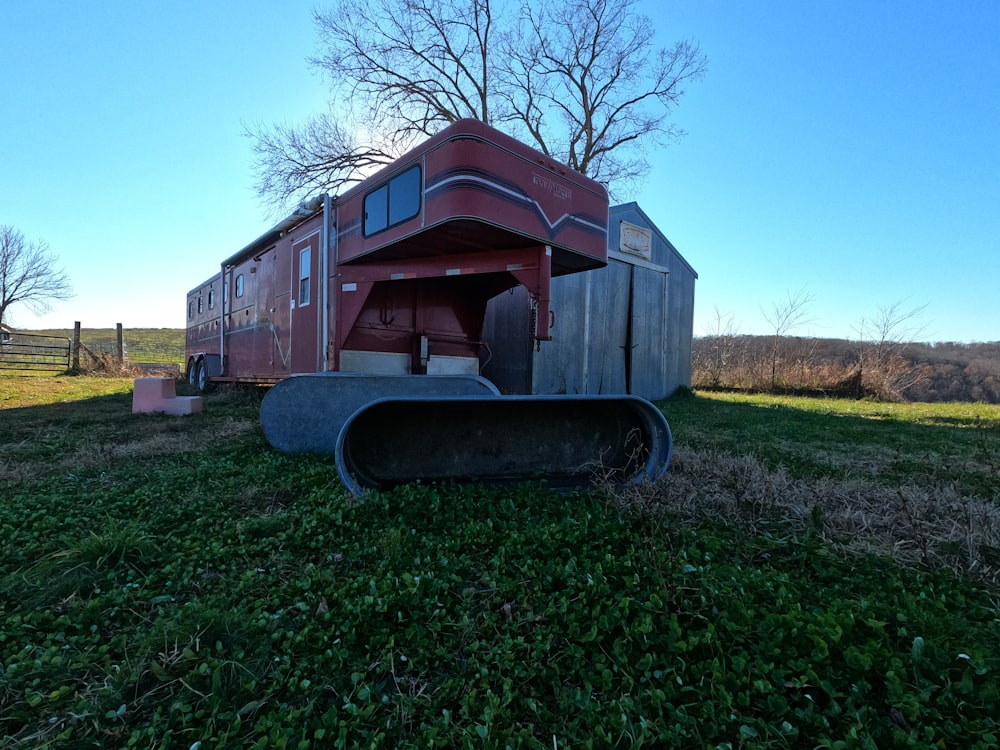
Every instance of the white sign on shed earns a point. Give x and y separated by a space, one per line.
636 240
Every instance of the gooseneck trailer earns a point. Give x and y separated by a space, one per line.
379 297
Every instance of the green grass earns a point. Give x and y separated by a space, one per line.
887 443
22 391
168 581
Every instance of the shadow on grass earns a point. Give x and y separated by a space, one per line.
90 432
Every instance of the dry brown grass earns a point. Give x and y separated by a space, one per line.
108 365
928 526
189 437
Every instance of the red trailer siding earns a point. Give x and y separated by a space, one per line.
394 275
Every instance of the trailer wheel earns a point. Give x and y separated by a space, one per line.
202 376
192 371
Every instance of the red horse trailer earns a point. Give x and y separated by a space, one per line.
392 279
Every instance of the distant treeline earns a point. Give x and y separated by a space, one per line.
886 370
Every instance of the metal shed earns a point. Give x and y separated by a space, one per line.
626 328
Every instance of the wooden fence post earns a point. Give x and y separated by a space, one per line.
121 345
76 345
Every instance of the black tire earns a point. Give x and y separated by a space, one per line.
192 372
202 381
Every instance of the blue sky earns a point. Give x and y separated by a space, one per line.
847 149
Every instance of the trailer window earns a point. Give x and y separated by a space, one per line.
305 262
211 299
393 203
377 210
201 305
191 309
239 285
404 196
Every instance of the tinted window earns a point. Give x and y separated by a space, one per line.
393 203
377 210
239 285
404 196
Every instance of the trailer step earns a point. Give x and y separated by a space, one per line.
306 412
568 441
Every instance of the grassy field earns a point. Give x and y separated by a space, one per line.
809 574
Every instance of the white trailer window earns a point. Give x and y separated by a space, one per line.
305 263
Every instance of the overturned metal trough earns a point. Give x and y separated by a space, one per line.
567 441
306 413
390 430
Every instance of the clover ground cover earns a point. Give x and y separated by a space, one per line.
174 582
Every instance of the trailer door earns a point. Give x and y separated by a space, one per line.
274 263
305 303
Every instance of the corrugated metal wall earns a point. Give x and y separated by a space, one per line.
626 328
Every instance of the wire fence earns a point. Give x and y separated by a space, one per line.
87 350
140 352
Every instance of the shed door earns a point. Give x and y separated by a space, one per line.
608 308
304 304
646 354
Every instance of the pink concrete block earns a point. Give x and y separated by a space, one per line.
149 392
182 405
159 395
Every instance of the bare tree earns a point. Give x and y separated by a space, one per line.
577 78
715 352
784 317
319 156
583 82
398 70
883 369
28 273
